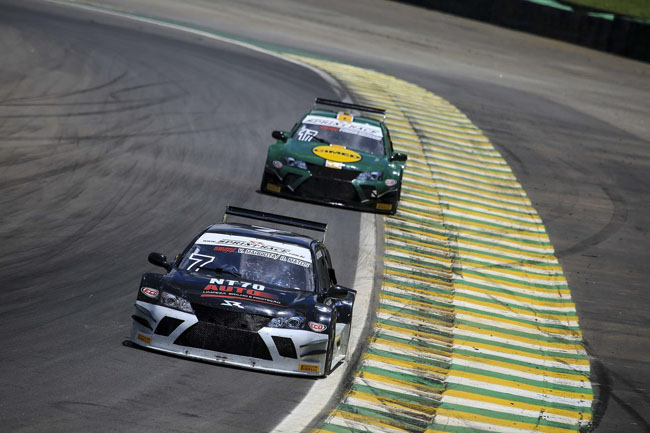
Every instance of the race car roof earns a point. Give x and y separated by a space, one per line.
261 233
357 119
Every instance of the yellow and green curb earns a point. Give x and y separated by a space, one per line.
475 330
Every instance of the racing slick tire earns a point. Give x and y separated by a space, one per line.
265 179
330 346
396 202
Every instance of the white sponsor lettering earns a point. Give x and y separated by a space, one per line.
357 128
232 303
262 247
244 284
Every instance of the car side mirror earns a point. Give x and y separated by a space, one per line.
399 157
337 291
279 135
159 260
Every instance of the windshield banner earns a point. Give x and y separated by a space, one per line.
258 247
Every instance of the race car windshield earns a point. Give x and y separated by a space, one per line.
284 265
357 136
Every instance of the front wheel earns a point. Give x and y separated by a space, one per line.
330 347
265 179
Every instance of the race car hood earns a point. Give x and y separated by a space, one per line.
304 151
230 293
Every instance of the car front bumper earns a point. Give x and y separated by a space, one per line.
172 331
328 187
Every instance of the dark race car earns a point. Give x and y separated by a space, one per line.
249 296
337 157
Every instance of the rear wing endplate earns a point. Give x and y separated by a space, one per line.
274 218
365 108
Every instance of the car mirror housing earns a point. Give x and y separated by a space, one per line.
399 157
279 135
159 260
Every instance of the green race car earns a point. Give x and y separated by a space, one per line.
343 158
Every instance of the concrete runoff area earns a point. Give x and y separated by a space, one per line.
555 112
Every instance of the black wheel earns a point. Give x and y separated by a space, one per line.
396 203
330 346
265 179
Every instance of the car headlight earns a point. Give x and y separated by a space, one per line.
293 162
370 175
293 322
176 302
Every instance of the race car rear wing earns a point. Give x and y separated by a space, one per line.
365 108
274 218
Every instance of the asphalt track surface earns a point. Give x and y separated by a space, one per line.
116 143
571 122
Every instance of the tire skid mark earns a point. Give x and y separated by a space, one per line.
473 300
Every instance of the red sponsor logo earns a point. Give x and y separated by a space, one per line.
148 291
390 182
318 327
225 249
226 291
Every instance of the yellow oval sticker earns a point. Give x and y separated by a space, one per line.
336 153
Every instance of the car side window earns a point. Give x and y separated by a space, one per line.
390 142
329 266
322 266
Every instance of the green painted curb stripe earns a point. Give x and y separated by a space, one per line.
532 308
537 421
422 329
409 398
424 315
507 347
551 286
496 289
547 327
416 380
412 342
419 286
408 358
421 299
542 385
517 398
541 367
388 418
540 338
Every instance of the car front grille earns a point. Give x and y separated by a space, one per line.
332 173
230 319
328 189
209 336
